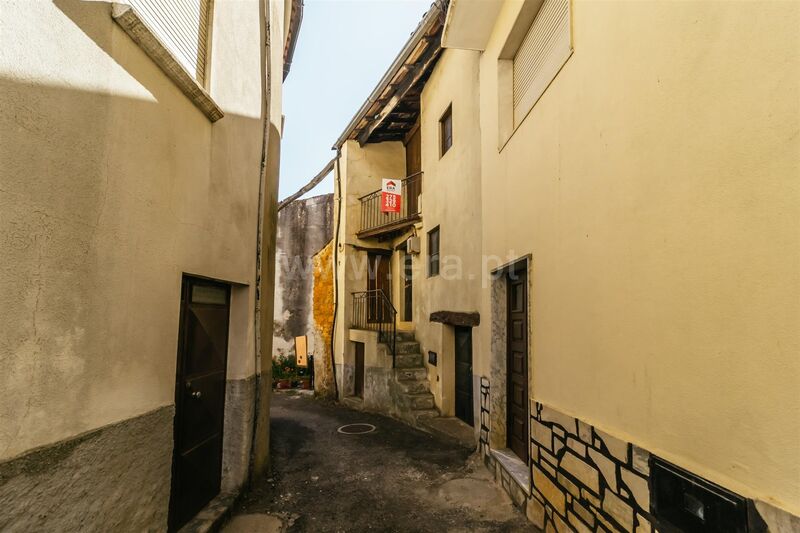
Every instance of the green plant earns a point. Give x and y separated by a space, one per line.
284 367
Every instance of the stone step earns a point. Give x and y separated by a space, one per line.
407 347
406 374
419 401
413 386
405 336
408 360
423 414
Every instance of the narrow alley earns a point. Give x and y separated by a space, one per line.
394 478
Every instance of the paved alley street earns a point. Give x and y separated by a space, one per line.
392 479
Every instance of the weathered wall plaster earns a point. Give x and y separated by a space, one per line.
304 228
115 478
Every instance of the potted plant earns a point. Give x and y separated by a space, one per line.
282 373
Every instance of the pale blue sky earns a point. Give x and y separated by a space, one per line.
344 48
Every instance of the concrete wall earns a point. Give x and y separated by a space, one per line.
655 186
304 228
113 185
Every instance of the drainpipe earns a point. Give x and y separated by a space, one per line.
336 268
254 461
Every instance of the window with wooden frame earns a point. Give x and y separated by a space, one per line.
446 130
433 252
184 27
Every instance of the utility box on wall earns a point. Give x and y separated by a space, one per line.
412 245
682 501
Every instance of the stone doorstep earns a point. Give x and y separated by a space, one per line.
517 470
212 516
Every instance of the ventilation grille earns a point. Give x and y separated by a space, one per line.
182 25
543 52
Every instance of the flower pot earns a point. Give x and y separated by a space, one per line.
305 384
284 384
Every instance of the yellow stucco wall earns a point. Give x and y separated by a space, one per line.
451 193
113 184
656 185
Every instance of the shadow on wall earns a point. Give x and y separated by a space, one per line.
89 181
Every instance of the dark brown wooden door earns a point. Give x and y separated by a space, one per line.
464 408
413 168
199 397
379 277
358 378
517 428
408 289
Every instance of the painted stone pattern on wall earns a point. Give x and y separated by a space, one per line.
586 478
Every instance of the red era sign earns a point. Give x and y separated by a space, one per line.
390 196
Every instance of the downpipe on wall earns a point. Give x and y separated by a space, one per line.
336 268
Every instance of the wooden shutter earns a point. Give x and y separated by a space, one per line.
543 52
182 26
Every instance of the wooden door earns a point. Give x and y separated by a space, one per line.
358 378
517 380
464 406
199 397
379 277
408 289
413 168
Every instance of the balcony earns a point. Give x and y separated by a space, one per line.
375 223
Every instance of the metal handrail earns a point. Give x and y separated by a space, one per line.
373 218
372 310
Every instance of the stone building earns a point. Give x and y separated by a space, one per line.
138 188
594 269
303 305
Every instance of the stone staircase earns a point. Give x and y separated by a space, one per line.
413 395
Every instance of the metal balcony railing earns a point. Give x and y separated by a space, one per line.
373 311
374 222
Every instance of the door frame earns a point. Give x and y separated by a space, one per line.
498 419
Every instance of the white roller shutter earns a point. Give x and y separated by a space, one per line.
544 50
182 25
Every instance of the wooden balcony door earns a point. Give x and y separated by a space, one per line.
413 166
379 277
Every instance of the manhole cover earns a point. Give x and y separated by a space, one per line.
356 429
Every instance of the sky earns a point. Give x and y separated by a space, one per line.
344 48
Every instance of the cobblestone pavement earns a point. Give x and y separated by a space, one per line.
395 478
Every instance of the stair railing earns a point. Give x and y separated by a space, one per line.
372 310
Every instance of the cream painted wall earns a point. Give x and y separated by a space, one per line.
657 186
359 172
451 194
112 185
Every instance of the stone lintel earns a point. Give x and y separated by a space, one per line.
456 318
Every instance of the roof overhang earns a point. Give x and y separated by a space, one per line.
469 23
295 18
392 108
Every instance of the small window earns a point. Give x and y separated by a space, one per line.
446 130
433 252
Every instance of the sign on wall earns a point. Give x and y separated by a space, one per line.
301 350
390 196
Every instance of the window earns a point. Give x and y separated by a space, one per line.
183 27
446 130
433 252
543 51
